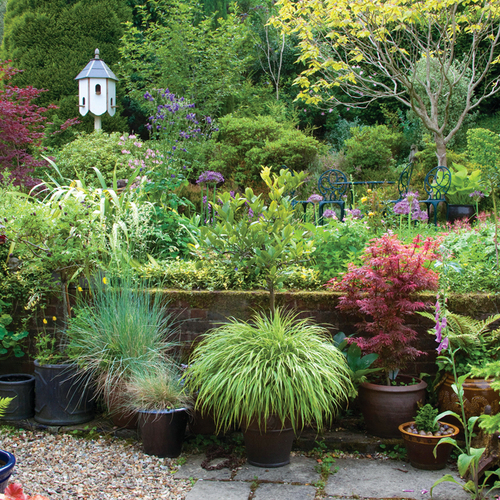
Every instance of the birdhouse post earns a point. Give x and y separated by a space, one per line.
96 90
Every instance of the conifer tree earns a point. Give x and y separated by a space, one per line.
52 41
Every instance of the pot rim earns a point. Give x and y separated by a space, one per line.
401 427
27 377
162 412
397 388
7 457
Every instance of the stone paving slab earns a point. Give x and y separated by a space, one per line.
299 470
219 490
365 478
193 469
269 491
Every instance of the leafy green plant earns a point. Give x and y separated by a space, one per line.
4 403
359 364
9 341
463 184
472 341
425 420
124 329
252 235
274 365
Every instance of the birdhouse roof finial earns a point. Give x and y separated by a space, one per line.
96 53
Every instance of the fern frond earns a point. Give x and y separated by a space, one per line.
4 403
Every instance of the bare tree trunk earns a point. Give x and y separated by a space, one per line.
440 150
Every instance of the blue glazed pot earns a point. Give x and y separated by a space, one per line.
6 470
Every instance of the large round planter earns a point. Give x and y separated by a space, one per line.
478 395
457 212
7 462
420 449
385 407
62 395
270 447
21 387
162 431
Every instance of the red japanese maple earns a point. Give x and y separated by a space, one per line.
21 128
382 292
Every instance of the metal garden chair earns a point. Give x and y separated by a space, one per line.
436 185
332 185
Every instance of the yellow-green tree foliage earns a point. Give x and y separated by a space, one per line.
359 51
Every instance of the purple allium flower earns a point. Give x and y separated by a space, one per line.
210 177
476 195
355 213
410 204
329 214
315 198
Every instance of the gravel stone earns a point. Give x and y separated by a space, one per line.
64 467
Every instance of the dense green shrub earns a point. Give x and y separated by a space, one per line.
338 244
243 145
371 152
97 149
53 40
214 275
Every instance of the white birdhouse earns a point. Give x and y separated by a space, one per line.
97 90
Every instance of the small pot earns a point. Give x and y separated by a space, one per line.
162 431
457 212
7 462
270 447
21 387
420 449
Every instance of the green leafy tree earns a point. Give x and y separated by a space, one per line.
178 49
359 52
249 234
53 40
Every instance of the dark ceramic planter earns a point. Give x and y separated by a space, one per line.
7 462
479 398
62 396
420 449
457 212
385 407
162 431
21 387
270 447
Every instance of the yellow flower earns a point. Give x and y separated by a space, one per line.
53 318
364 199
104 280
370 214
44 321
368 191
80 289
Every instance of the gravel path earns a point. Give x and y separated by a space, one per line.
64 467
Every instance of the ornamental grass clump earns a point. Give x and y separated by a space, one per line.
125 329
381 292
275 365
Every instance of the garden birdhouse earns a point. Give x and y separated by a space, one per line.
97 90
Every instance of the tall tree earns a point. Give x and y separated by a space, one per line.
358 52
52 40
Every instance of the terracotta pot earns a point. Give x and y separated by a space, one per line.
270 447
420 449
385 407
478 394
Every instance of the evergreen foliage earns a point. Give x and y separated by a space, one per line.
53 40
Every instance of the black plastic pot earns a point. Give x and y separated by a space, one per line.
21 387
270 447
7 462
162 431
456 212
62 396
